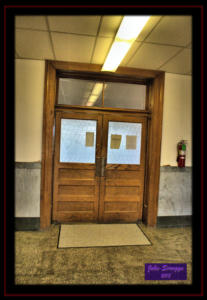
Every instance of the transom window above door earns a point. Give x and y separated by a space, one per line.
82 92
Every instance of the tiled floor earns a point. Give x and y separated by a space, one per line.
39 261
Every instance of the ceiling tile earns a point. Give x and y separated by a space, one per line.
31 22
130 53
150 56
172 30
110 25
74 24
181 63
71 47
33 44
101 50
153 20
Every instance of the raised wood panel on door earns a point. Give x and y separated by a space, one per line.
76 187
122 187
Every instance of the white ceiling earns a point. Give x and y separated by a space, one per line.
164 43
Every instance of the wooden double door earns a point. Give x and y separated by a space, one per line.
99 167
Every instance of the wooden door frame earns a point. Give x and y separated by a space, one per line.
155 80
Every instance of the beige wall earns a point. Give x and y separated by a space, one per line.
29 90
29 110
176 118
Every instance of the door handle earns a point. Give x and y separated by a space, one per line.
103 163
100 166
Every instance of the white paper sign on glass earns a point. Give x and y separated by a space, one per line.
128 152
73 144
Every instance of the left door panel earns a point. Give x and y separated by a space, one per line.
75 184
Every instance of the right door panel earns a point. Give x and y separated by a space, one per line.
122 184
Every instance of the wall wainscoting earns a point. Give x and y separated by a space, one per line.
27 189
174 207
175 191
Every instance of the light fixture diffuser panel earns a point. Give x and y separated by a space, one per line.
128 31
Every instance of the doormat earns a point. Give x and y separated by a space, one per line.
101 235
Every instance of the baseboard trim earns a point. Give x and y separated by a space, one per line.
32 224
174 221
27 224
28 165
175 169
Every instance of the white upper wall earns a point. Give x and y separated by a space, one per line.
29 90
177 119
29 113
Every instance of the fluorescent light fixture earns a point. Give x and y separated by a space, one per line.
128 32
95 94
117 52
131 27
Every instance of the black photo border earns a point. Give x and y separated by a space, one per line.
8 11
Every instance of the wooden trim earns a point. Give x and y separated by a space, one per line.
134 72
47 146
141 73
147 98
103 94
57 91
71 114
69 66
63 107
154 110
130 118
101 77
154 150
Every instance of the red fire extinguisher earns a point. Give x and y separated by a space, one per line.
181 154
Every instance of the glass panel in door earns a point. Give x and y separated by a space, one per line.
78 141
124 143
